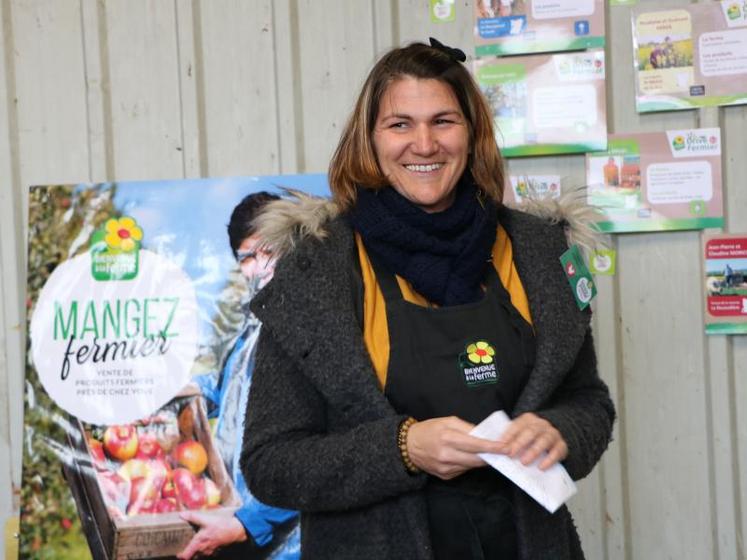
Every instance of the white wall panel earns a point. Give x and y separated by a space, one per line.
240 96
11 244
93 90
143 70
335 50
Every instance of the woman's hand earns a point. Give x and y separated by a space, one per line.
528 436
443 447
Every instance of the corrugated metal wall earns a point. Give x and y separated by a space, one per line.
97 90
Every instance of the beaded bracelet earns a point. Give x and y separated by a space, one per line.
404 428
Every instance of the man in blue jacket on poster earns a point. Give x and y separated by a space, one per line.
256 530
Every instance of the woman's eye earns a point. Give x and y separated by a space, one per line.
400 124
444 121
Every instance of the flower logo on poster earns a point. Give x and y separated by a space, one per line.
123 234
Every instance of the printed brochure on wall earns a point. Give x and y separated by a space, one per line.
546 104
689 56
518 188
138 323
658 181
507 27
725 268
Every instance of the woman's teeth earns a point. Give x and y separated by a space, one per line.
424 168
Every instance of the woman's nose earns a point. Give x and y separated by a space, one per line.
425 142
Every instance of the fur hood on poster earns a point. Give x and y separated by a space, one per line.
287 221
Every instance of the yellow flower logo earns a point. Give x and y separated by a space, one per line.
122 233
480 353
678 142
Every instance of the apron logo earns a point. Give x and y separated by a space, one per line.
477 364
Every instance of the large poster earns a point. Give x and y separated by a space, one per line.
691 55
546 104
505 27
137 371
658 181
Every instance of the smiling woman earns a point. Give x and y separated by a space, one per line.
421 141
417 308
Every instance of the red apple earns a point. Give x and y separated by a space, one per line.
168 490
115 489
190 490
144 493
134 468
97 453
166 505
196 498
183 479
148 446
212 493
192 455
159 469
120 442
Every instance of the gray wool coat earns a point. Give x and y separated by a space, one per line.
321 437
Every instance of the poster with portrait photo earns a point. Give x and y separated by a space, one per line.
657 181
508 27
725 258
136 300
690 56
548 103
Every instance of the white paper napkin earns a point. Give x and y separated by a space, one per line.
551 488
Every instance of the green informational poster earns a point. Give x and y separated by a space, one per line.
548 103
506 27
694 55
725 257
658 181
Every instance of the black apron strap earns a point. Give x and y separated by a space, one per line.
386 279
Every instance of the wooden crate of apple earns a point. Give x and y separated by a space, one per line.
148 471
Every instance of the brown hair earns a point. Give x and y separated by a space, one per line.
354 162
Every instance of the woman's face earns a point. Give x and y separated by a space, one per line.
421 139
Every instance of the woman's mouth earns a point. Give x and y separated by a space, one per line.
423 168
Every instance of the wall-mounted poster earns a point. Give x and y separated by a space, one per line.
725 283
520 187
546 104
692 55
140 342
504 27
658 181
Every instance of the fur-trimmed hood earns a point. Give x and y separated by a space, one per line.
285 222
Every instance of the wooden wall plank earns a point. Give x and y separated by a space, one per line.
189 95
46 127
98 111
333 65
287 90
414 24
719 405
239 87
188 88
734 135
144 89
11 263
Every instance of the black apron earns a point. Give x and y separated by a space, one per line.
468 361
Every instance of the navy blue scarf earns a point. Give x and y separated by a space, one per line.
443 254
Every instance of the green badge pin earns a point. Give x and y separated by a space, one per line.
578 276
